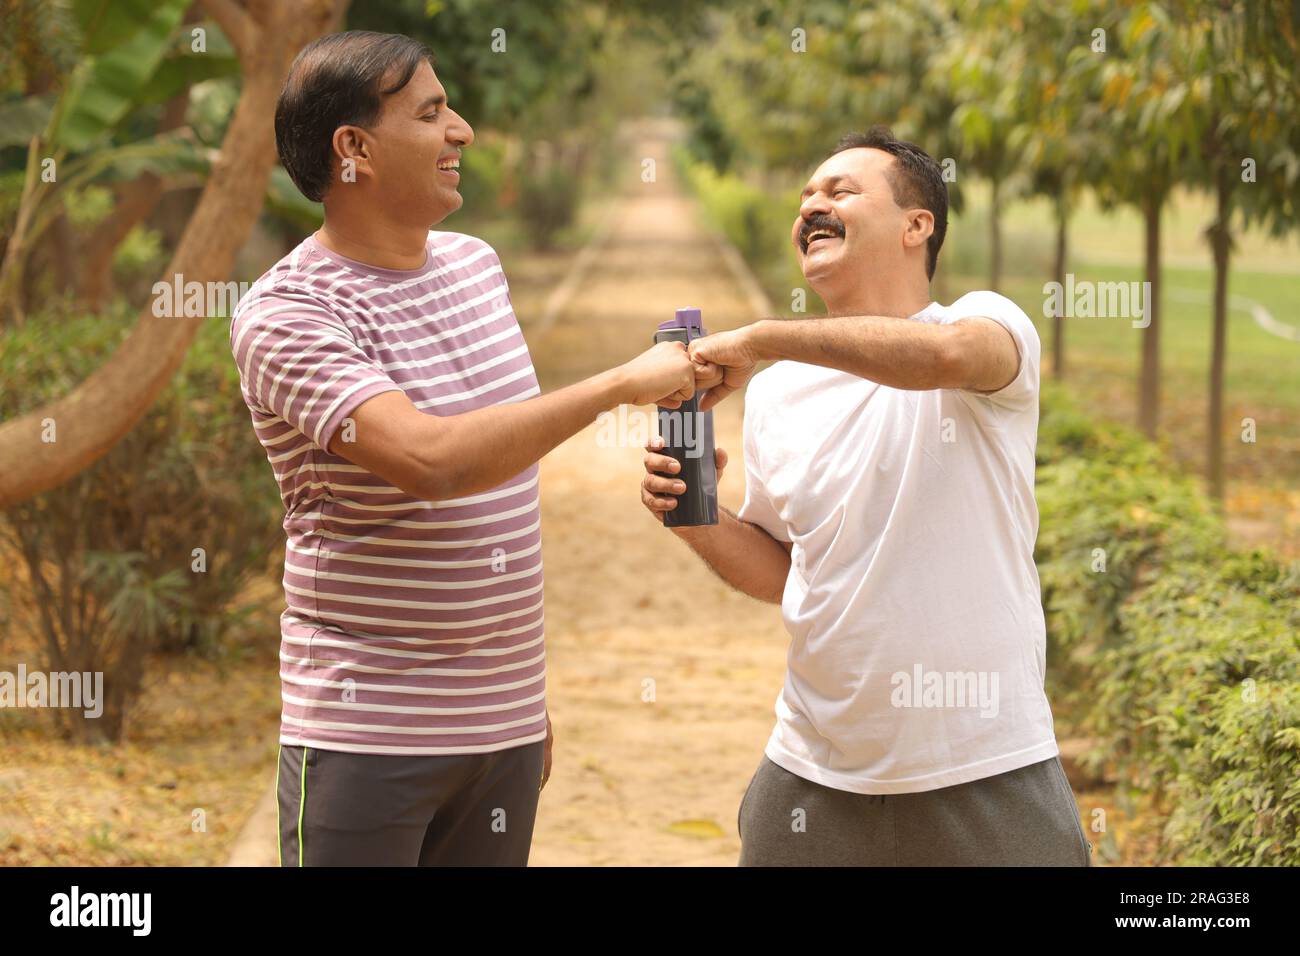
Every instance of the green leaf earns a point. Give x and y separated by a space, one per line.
24 118
164 154
104 88
106 24
285 200
176 73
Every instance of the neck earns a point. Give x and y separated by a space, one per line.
899 300
374 241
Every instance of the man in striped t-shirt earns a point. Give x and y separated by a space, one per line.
394 394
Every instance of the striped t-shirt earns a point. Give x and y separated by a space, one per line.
411 627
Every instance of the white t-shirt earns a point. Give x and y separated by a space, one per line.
917 649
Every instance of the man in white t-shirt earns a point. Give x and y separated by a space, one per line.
889 510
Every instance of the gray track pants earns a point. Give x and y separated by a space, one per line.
1024 817
346 809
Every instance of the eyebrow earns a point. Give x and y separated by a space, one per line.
432 101
831 183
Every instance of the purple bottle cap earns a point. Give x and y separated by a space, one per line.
688 319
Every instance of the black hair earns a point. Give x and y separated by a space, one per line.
337 81
914 178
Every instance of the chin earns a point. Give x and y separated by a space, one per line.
816 272
827 278
443 206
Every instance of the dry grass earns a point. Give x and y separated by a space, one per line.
175 792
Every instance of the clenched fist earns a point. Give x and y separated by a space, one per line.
662 373
734 355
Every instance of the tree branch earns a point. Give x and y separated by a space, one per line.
236 24
96 414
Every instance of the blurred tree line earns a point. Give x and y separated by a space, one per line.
1128 100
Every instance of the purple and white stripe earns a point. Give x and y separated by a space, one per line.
411 627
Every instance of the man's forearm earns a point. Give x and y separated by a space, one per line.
894 352
742 554
494 444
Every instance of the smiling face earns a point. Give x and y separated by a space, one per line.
407 162
850 229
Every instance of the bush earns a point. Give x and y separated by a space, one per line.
550 190
1114 518
1179 655
482 178
109 562
1203 701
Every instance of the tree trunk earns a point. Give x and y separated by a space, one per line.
1149 389
59 250
132 203
1058 273
102 409
995 237
1220 241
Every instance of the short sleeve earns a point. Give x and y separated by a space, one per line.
1023 389
299 361
758 507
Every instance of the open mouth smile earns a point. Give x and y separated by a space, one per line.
819 233
817 236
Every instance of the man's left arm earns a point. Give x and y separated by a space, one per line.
974 353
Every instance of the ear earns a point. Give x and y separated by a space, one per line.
920 227
351 146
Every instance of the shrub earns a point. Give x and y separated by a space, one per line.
550 189
482 177
1180 656
1114 518
109 570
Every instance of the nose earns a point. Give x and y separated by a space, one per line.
817 203
459 131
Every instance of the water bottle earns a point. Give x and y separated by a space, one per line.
688 437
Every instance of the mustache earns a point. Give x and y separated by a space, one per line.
819 221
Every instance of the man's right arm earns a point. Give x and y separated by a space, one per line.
435 458
741 553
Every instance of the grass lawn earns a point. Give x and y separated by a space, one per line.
1262 377
1262 382
1262 374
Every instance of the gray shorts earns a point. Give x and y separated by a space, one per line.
346 809
1025 817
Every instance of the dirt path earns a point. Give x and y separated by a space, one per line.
644 782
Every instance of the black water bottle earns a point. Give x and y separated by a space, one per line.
688 437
